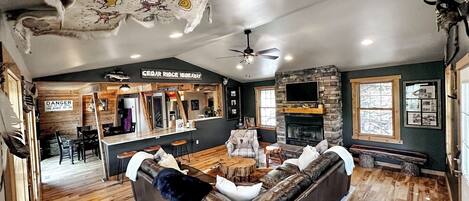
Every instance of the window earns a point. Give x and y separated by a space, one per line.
265 107
375 103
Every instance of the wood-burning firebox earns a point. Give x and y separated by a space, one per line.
304 130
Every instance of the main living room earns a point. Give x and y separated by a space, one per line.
188 100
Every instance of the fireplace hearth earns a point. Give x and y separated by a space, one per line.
304 130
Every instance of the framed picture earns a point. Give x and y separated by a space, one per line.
423 104
233 103
194 105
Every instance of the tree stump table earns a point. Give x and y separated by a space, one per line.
237 168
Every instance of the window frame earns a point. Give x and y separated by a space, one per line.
356 108
258 107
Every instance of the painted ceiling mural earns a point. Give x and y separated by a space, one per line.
87 19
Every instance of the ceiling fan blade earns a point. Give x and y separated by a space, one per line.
266 51
228 57
268 57
239 51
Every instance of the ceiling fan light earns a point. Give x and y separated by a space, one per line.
250 59
124 87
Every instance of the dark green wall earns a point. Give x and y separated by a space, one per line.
249 106
428 141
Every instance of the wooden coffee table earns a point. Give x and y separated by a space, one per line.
237 168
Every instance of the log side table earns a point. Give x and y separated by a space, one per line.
273 153
237 168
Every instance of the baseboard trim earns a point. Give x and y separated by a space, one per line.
396 166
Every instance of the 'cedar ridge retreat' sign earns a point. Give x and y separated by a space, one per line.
169 74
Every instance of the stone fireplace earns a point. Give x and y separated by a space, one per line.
293 128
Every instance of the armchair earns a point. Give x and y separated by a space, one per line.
243 143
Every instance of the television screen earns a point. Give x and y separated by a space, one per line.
302 92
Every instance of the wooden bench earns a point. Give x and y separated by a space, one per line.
410 160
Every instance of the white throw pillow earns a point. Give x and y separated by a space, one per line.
168 161
293 161
322 146
159 154
237 193
309 155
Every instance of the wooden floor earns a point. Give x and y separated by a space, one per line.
83 182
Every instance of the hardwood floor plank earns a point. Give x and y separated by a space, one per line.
83 181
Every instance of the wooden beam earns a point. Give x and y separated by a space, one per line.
181 107
100 133
146 114
82 107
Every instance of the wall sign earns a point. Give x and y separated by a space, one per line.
147 73
58 105
423 105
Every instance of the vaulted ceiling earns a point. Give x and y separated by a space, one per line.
312 32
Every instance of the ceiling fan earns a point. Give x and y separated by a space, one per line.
247 55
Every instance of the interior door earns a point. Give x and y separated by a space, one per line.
463 89
18 167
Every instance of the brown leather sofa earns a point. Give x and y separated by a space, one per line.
325 179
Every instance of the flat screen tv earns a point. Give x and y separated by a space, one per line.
302 92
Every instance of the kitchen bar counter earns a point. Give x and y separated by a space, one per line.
113 145
131 137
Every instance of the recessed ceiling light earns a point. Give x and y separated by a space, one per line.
135 56
239 66
176 35
288 58
367 42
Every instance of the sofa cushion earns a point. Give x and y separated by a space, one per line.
288 189
244 152
322 163
176 186
151 167
280 173
243 143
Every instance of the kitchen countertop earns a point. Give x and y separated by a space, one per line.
131 137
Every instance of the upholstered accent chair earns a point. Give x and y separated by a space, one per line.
243 143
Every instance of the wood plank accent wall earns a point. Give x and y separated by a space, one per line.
106 117
65 121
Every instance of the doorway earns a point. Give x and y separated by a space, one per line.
463 75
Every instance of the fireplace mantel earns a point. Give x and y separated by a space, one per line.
302 110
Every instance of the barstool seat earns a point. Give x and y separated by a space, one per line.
126 154
121 157
151 149
180 148
178 142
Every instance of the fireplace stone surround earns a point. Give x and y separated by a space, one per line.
329 85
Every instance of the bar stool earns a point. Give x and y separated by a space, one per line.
179 148
121 157
152 149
